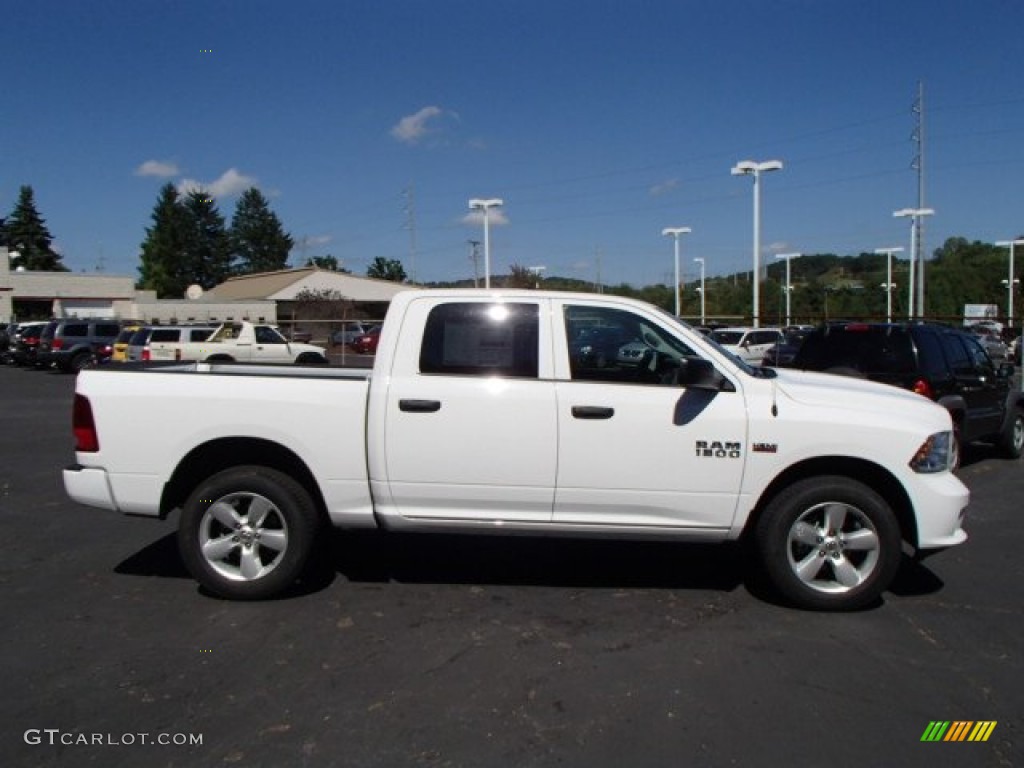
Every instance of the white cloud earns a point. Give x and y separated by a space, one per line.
157 168
411 128
229 184
663 187
315 240
495 217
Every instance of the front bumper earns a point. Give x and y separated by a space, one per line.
940 502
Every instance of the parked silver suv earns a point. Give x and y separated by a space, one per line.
73 344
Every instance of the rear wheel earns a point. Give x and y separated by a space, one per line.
829 543
81 361
248 533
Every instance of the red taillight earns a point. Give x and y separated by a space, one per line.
922 387
145 354
57 344
84 427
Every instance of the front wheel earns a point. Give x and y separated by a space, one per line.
829 543
1011 441
310 358
248 533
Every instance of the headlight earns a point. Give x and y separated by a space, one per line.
934 455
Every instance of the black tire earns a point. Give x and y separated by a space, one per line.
1011 440
310 358
248 533
81 361
817 566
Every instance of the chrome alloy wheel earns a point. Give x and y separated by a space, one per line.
833 547
243 536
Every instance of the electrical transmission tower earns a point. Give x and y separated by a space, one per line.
474 256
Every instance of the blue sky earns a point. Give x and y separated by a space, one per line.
599 123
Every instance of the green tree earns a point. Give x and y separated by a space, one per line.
258 241
163 251
207 253
327 262
387 269
520 277
28 236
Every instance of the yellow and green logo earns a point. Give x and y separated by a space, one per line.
958 730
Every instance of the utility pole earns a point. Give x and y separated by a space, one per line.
474 256
918 223
410 223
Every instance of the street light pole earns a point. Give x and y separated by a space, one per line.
674 233
915 214
1010 281
477 204
701 261
789 286
751 168
888 279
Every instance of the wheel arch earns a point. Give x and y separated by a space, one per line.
215 456
877 477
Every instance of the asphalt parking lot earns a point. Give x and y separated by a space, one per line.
462 651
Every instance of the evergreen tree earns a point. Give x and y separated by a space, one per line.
27 235
163 251
258 241
207 252
387 269
327 262
3 232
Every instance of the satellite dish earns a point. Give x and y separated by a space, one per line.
194 292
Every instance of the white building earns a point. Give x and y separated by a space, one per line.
37 295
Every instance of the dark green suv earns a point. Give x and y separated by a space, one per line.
936 361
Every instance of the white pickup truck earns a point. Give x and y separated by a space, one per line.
240 342
525 412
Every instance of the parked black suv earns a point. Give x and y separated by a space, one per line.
24 342
939 362
72 345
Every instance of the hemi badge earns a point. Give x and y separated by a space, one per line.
765 448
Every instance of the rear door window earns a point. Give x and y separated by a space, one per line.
75 330
165 334
480 339
957 355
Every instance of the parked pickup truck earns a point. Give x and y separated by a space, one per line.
483 414
241 342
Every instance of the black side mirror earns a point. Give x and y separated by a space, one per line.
698 373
